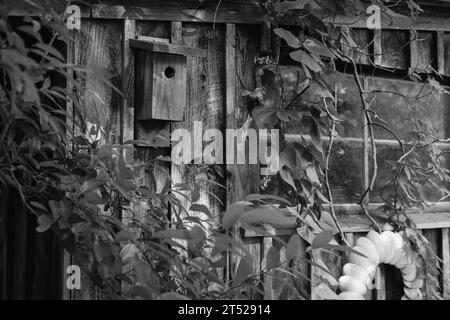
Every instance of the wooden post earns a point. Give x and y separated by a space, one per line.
231 123
413 58
67 259
380 282
446 263
267 282
127 112
440 47
377 47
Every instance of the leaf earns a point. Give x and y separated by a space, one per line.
263 197
285 6
243 271
326 220
306 59
200 208
140 291
288 158
128 253
177 234
323 292
315 136
50 50
322 239
45 222
290 39
267 215
306 234
124 235
233 214
283 115
312 175
287 177
172 296
344 248
273 258
195 194
293 247
272 216
315 47
39 206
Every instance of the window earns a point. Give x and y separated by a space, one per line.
404 106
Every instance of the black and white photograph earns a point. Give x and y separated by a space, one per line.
225 154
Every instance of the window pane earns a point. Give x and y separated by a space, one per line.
408 107
386 155
425 185
348 102
346 175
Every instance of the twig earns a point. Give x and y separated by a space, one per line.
327 182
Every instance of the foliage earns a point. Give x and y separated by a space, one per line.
418 177
138 241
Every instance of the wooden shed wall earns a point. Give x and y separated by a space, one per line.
215 83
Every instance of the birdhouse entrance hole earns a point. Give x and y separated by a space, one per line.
169 72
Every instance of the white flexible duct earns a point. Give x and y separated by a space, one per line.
389 248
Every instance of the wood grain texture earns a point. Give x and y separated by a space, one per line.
413 49
426 49
100 52
205 103
160 86
377 47
154 174
99 49
446 39
127 106
229 11
362 38
395 49
244 47
360 223
440 52
434 237
162 47
236 11
445 263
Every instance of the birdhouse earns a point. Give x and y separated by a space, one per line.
160 79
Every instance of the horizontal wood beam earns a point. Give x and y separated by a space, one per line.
166 48
292 138
234 11
360 223
352 220
248 13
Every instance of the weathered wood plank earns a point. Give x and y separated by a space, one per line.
446 39
380 282
98 49
360 223
440 52
413 50
70 58
377 47
154 173
426 53
234 11
267 280
170 10
100 52
205 103
127 107
166 48
395 49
